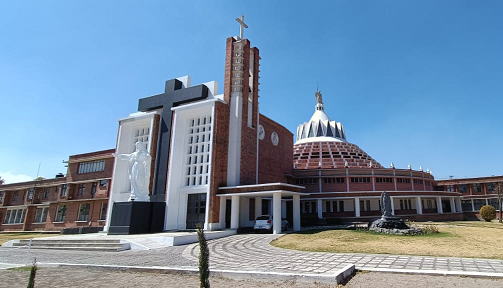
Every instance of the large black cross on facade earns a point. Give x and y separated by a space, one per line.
174 95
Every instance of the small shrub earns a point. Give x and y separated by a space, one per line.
488 213
429 229
204 258
33 272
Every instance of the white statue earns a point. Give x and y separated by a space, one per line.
319 97
139 172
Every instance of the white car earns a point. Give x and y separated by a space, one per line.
265 222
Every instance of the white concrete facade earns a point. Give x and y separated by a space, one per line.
126 139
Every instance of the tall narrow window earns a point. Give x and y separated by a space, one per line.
63 190
103 212
84 212
93 188
82 189
60 214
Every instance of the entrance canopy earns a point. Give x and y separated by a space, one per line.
275 190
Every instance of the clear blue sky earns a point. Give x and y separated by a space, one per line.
416 82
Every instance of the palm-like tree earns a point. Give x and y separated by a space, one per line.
2 181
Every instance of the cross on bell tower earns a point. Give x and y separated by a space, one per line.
242 25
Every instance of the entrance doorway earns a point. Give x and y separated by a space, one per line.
196 210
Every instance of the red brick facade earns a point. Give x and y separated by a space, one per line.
89 189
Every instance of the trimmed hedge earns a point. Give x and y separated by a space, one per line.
488 213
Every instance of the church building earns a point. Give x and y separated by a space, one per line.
214 155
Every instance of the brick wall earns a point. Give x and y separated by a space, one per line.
219 156
275 161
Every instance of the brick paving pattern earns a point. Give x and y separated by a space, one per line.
252 252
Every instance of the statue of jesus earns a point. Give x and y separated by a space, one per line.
139 172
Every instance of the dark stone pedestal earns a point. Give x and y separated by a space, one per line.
137 218
389 222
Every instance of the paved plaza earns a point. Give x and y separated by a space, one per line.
253 253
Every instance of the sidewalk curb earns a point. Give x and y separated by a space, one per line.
474 274
341 276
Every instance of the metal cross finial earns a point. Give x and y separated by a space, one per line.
242 25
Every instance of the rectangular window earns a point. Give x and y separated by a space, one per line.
103 212
93 188
91 166
360 179
15 196
31 192
418 181
450 188
60 214
198 151
477 187
384 180
46 193
103 183
462 188
82 189
478 203
304 181
1 196
84 212
341 206
490 187
403 180
14 216
333 180
63 190
466 205
41 215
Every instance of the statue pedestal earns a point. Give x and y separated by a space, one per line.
137 218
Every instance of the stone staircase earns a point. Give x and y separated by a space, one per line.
97 245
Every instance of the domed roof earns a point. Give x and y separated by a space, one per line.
321 143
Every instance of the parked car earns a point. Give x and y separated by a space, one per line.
265 223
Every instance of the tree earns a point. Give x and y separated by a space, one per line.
498 188
39 178
2 181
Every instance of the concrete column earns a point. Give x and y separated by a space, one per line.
235 212
419 206
453 206
487 201
296 212
223 208
283 209
473 205
276 213
439 205
320 208
459 207
357 207
258 206
392 205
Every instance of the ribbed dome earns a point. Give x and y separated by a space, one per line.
321 143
